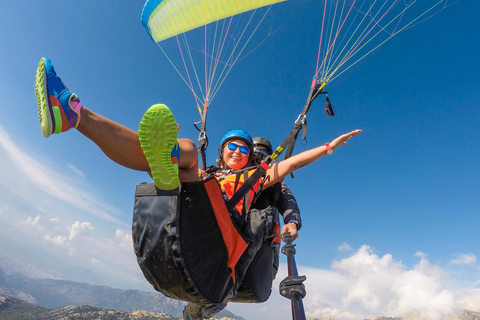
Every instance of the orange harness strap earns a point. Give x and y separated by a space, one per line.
233 240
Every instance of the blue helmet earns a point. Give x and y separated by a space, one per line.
232 135
237 134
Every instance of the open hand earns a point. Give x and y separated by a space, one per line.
343 138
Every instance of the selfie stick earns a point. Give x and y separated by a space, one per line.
292 286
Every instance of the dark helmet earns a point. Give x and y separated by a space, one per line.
260 141
237 134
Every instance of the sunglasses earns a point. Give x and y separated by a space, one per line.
262 151
232 147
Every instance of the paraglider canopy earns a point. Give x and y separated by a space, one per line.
208 56
166 18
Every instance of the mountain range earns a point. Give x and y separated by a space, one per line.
23 298
53 294
15 309
27 288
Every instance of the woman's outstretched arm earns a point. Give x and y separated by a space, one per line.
280 170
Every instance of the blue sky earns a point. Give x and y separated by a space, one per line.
390 221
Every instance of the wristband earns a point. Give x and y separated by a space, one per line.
329 148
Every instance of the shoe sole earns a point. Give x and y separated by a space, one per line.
158 135
42 99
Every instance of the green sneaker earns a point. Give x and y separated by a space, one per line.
158 138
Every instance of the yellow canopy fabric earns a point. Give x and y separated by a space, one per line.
166 18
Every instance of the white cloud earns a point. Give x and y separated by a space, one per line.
74 169
30 225
95 262
469 299
365 285
124 239
383 286
30 222
344 247
40 205
80 228
18 167
464 259
58 240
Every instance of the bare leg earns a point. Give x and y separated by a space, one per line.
118 142
121 145
60 110
188 166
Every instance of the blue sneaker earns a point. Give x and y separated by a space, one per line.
158 138
56 109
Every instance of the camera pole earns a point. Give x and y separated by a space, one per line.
292 286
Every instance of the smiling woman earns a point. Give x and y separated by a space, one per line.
235 150
184 218
415 95
236 155
206 219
